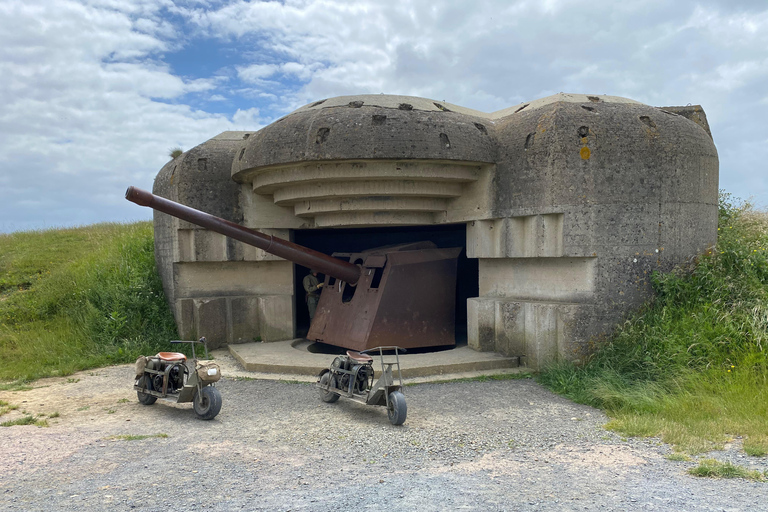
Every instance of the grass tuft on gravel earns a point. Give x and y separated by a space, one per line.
756 445
679 457
712 468
692 366
6 407
17 385
72 299
25 420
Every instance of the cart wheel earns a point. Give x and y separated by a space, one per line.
207 404
397 410
328 396
144 398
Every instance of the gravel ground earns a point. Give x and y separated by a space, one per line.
501 445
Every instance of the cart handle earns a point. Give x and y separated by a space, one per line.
381 349
201 340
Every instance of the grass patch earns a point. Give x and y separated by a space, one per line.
17 385
131 437
756 445
679 457
712 468
79 298
6 407
692 366
241 378
25 420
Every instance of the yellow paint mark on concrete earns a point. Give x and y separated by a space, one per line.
584 153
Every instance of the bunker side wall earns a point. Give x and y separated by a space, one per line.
219 288
589 201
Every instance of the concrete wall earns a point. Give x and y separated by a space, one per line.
217 287
570 202
617 191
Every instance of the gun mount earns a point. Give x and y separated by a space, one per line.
401 295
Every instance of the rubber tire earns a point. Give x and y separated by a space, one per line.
143 397
397 409
207 404
328 396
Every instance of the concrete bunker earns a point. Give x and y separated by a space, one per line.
567 204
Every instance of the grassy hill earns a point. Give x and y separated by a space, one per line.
72 299
692 365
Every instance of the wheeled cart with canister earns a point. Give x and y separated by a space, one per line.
352 376
171 377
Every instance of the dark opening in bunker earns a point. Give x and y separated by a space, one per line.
351 240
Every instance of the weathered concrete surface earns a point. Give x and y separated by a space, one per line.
637 188
291 357
571 202
212 282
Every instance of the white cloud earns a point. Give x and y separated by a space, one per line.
84 110
90 101
491 55
247 119
256 71
735 75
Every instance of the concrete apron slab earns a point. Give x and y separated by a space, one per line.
291 358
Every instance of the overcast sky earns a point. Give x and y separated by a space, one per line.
94 93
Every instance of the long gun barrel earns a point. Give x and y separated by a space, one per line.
299 254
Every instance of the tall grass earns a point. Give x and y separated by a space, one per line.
692 365
79 298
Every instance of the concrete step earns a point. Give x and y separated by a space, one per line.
292 357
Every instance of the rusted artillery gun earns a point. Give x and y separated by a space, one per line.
402 295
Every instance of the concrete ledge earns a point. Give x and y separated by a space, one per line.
291 357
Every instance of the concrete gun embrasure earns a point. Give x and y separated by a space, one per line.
402 295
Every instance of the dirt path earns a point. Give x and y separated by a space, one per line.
506 445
